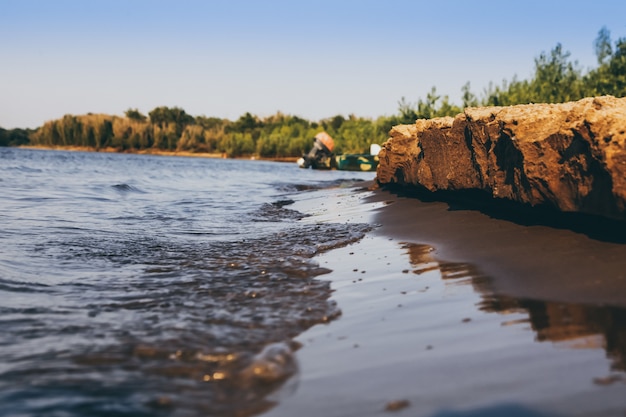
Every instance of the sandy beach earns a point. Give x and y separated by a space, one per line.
450 311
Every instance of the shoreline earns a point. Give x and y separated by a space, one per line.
216 155
432 326
523 256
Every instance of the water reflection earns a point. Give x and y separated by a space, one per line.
573 325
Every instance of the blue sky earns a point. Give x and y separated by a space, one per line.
314 59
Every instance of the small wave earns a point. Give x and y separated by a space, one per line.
276 212
39 199
27 311
283 203
99 199
196 233
22 287
318 185
125 188
290 188
275 363
25 169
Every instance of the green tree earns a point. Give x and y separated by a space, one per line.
104 134
336 122
247 123
163 116
446 108
356 135
210 122
602 45
14 137
610 77
556 79
135 114
469 98
90 136
426 108
407 112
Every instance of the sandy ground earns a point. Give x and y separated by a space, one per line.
456 313
524 260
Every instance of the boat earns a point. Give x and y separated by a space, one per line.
356 162
321 156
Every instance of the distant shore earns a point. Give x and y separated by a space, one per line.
157 152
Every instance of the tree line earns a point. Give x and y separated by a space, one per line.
556 78
172 129
15 137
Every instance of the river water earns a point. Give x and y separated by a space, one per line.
147 285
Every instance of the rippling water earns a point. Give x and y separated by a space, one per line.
141 285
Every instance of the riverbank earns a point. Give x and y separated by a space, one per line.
451 312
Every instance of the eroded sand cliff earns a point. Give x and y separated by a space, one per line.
569 156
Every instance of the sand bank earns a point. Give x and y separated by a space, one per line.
546 256
454 313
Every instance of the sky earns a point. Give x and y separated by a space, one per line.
313 59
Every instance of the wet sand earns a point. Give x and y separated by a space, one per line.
453 312
523 257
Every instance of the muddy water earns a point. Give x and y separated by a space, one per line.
135 285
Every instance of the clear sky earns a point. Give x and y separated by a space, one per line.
314 59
